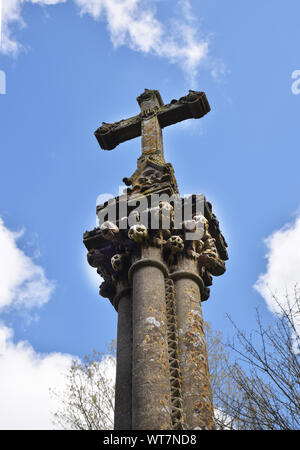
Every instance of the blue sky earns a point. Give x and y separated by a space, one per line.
71 65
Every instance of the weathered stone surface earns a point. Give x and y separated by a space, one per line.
157 278
194 105
123 394
174 363
196 392
151 392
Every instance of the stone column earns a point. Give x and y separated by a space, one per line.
196 391
151 399
123 394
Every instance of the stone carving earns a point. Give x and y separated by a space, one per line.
171 241
212 263
117 262
153 117
208 253
143 180
150 98
138 233
108 127
173 351
193 105
119 251
175 244
192 96
152 175
192 249
109 230
108 289
160 237
95 257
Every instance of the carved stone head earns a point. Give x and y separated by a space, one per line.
109 230
117 262
175 244
138 233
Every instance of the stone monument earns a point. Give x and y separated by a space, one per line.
157 262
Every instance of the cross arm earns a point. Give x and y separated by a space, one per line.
109 135
194 105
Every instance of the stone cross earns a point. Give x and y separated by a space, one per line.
157 280
153 117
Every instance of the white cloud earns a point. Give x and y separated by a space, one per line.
283 266
22 282
25 379
25 375
12 13
134 23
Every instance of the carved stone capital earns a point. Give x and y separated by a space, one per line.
115 247
107 289
147 262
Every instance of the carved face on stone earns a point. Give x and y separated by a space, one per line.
109 230
117 263
142 180
150 176
138 233
210 247
175 244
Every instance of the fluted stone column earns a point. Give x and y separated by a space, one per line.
151 401
123 394
196 392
